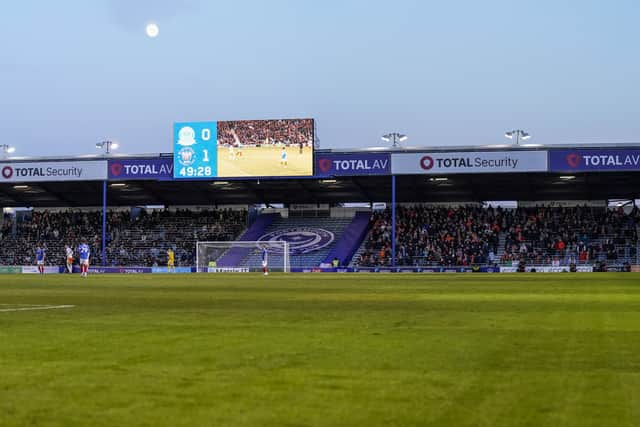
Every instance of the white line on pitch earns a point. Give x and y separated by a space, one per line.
27 305
43 307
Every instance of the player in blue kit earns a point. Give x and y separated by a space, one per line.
83 254
265 260
40 256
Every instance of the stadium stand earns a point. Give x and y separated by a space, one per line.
350 240
426 236
138 238
579 235
472 235
433 236
301 256
234 256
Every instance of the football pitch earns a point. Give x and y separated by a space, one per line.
320 350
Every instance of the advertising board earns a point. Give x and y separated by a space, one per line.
352 164
53 171
584 160
132 169
469 162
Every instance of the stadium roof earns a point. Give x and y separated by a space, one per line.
410 188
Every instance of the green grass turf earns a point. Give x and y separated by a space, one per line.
316 350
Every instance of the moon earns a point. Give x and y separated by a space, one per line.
152 30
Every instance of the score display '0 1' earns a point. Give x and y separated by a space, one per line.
194 152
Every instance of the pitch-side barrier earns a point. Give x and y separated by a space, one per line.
32 269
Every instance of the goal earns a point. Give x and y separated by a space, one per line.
241 256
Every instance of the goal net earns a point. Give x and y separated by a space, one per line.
241 256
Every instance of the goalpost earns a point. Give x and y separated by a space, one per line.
241 256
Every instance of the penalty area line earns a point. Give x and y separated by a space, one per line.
35 307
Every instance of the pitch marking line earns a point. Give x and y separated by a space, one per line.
31 307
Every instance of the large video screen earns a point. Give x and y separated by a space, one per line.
246 148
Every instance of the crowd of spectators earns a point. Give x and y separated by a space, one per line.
548 235
471 235
447 236
266 132
137 238
434 236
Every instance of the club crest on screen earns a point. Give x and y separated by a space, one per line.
187 156
186 136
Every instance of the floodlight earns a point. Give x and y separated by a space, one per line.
517 134
395 138
7 149
107 146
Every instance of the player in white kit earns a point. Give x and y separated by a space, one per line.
68 255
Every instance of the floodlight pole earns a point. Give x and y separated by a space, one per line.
395 139
393 220
104 223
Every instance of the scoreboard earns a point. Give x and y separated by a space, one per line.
243 148
195 153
